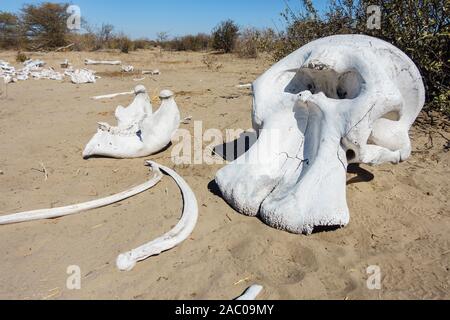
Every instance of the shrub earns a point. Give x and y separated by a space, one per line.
224 36
123 43
199 42
21 57
9 30
83 42
143 44
247 44
45 25
252 41
419 28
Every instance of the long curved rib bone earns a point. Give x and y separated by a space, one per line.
127 261
251 293
73 209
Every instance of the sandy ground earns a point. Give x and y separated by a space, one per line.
400 214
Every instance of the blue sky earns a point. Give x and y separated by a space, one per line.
140 18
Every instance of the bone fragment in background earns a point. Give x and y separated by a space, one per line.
251 293
81 76
152 72
65 64
94 62
126 68
247 85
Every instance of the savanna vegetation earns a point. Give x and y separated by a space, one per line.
419 27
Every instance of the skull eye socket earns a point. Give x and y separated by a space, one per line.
347 85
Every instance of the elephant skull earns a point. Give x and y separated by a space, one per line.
338 100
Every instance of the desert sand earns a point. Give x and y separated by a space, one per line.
400 216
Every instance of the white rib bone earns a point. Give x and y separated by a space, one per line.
113 95
94 62
73 209
251 293
184 228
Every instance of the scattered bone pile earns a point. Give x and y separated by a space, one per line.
35 69
31 68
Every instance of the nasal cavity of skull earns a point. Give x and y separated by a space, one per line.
334 85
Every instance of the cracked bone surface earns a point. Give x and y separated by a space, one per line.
183 229
140 131
338 100
94 62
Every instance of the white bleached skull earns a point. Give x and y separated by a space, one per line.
338 100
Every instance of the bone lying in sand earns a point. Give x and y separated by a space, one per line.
94 62
113 95
336 101
126 68
251 293
73 209
140 131
152 72
80 76
184 228
127 261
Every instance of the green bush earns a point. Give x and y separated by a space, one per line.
253 41
419 28
199 42
21 57
45 25
224 36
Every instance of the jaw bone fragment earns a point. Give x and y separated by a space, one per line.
33 64
140 132
330 103
184 228
70 210
94 62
